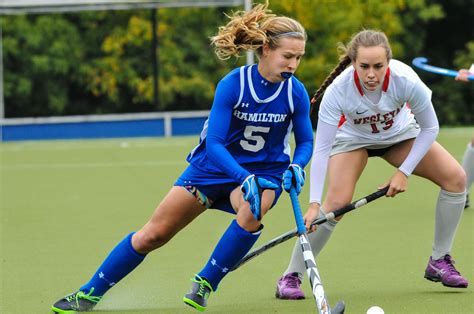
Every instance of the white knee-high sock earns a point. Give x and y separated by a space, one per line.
317 240
468 165
449 209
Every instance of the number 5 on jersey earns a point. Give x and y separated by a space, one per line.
254 142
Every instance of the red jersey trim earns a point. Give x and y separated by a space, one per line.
342 120
386 81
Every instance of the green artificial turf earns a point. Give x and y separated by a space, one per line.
65 204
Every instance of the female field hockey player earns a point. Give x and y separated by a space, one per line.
468 159
239 164
369 109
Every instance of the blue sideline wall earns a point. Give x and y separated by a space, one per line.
95 127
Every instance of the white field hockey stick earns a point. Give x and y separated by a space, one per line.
310 263
421 63
293 233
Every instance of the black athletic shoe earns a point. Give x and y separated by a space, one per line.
200 291
339 308
76 302
467 204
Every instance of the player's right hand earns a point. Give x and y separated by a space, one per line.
252 188
294 176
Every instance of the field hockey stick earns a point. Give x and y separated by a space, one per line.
421 63
310 263
293 233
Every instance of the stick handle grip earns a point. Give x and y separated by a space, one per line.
300 226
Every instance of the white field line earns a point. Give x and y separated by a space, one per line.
41 146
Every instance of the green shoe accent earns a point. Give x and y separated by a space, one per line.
200 292
194 304
76 302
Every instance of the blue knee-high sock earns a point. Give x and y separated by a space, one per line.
230 249
121 261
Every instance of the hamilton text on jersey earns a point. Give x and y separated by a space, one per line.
260 117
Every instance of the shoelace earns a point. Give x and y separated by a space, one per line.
82 295
202 290
202 286
450 264
292 281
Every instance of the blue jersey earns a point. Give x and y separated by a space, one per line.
249 127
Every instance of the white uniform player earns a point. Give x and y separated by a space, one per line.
378 107
373 119
468 159
369 120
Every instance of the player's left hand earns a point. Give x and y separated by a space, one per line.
311 214
293 176
463 75
397 184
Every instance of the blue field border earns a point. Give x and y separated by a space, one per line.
83 128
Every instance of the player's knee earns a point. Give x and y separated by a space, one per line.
462 179
457 182
147 240
246 220
250 226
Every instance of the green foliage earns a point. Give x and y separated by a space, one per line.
445 42
102 62
40 52
331 22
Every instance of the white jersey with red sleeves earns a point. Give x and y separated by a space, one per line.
345 104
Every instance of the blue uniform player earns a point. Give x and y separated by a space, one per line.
242 159
261 115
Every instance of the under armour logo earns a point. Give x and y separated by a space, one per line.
102 276
245 105
223 269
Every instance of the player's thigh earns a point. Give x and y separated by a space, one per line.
176 210
344 171
438 165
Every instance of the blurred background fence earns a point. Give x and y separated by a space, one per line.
84 61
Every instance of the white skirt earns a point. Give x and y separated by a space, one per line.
348 144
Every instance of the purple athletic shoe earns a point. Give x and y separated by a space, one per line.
443 270
288 287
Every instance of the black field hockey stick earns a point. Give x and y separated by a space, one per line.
293 233
310 263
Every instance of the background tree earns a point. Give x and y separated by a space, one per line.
101 62
40 53
449 43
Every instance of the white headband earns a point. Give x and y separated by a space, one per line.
289 34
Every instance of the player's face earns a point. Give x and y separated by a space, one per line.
284 58
371 64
